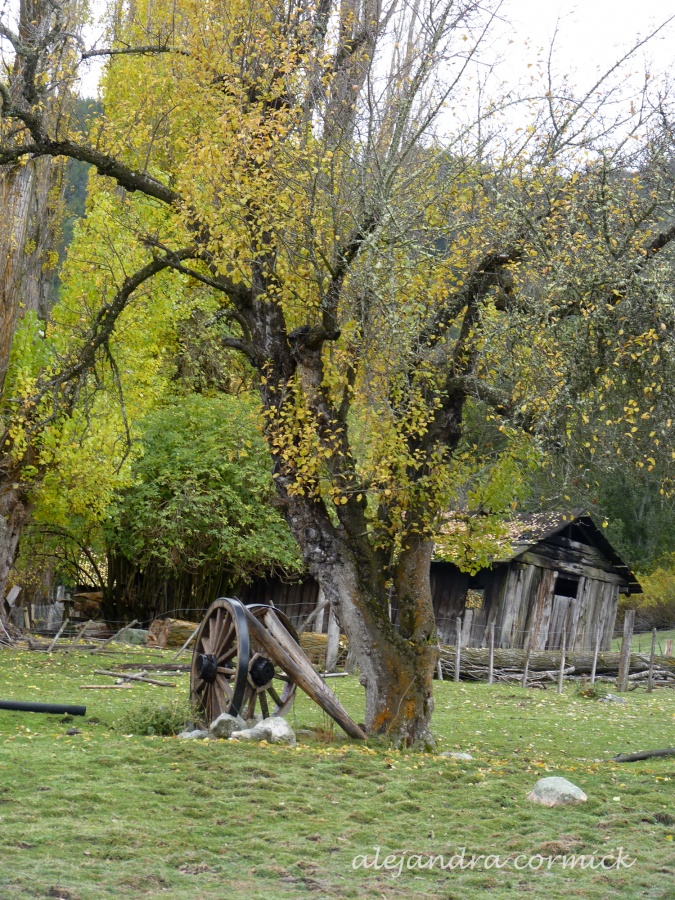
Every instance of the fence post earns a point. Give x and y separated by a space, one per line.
527 661
458 647
595 654
624 658
561 673
650 680
491 657
333 643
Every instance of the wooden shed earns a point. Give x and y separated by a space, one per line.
559 575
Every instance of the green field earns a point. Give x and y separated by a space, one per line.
642 643
102 814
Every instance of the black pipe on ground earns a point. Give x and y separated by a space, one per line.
20 706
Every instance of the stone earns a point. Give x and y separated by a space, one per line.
197 735
255 719
451 754
611 698
274 730
556 791
225 724
135 636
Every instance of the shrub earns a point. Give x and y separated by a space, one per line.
157 718
591 691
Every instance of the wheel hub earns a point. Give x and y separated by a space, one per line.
261 671
207 667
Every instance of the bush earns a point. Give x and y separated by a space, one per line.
591 691
655 608
162 719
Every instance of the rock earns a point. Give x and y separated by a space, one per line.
452 755
611 698
275 730
255 719
556 791
136 636
197 735
225 724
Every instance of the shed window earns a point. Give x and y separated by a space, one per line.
566 585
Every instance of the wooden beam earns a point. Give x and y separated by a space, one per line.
280 646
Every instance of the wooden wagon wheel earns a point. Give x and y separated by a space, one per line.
230 672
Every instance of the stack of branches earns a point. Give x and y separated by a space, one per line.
8 634
315 646
660 676
544 665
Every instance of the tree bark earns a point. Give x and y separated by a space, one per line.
14 512
396 668
29 199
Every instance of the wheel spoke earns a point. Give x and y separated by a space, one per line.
251 705
222 639
222 683
273 694
224 670
263 705
206 637
225 657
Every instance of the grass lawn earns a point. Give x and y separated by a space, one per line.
642 643
105 815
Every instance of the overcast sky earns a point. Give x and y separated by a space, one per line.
591 35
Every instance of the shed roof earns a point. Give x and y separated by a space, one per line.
527 530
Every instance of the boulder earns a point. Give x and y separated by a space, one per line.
137 636
275 730
197 735
225 724
556 791
451 754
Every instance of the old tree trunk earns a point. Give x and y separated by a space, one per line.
30 199
396 666
27 200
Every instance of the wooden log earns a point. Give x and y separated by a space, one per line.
624 659
168 632
155 667
105 687
133 676
582 660
111 639
58 634
280 646
187 643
